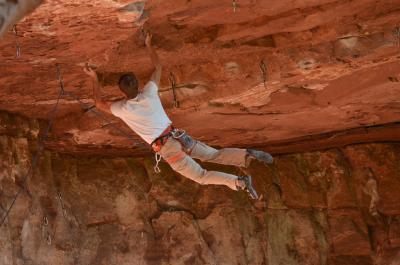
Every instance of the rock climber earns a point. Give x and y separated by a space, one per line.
143 112
11 11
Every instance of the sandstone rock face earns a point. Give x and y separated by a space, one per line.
315 81
338 206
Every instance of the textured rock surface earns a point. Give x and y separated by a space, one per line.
332 81
331 65
339 206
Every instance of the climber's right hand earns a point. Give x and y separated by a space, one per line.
90 72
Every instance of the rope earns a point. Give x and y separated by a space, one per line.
35 158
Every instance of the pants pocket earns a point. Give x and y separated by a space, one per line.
187 142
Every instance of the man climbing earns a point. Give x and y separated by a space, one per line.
11 11
142 111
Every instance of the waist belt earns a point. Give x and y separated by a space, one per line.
162 139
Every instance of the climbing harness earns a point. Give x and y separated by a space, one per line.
158 143
263 69
160 140
172 80
184 139
35 158
17 45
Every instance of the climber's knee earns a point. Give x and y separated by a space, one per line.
189 168
200 178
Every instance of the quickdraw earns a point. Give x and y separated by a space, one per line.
263 69
45 230
172 80
45 221
397 35
48 239
64 211
234 5
178 133
18 46
157 169
59 77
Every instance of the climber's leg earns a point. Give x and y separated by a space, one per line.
13 11
229 156
225 156
182 163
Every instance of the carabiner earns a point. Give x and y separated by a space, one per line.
157 169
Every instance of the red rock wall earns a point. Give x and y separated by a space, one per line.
332 70
338 206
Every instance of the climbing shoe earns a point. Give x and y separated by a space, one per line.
260 156
248 186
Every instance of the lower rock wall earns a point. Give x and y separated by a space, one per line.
340 206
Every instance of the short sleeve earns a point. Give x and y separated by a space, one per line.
116 107
150 89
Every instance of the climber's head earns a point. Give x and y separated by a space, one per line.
129 85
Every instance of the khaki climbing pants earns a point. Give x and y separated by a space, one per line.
184 164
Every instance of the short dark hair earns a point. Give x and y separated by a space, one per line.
129 84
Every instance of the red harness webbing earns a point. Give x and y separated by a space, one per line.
175 158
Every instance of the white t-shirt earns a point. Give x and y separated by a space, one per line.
144 114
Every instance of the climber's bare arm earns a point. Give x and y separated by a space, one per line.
156 76
98 101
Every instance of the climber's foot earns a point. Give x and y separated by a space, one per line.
261 156
247 185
